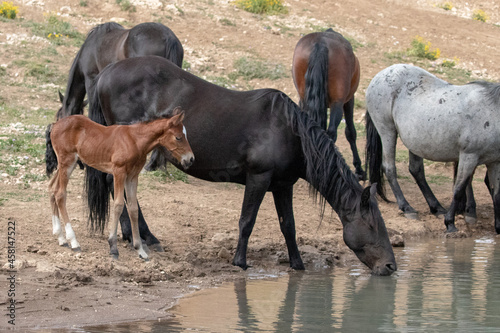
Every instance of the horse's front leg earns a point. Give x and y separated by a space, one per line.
283 200
466 166
133 211
350 134
255 190
151 241
417 171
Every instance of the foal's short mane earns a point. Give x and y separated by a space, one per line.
326 170
491 90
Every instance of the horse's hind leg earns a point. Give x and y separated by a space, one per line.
64 173
56 220
255 190
466 166
118 204
350 134
133 211
389 166
336 114
494 187
283 201
417 171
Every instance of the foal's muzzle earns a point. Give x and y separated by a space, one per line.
187 160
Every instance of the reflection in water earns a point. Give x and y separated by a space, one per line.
448 285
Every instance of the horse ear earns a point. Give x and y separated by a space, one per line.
61 96
176 110
85 103
365 197
178 118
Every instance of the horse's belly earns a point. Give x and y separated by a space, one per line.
432 146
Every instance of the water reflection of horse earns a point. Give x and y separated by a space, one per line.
258 138
108 43
119 150
326 74
437 121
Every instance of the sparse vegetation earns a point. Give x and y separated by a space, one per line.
57 31
126 6
250 69
446 5
8 10
480 15
422 49
262 6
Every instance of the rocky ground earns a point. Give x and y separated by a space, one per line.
196 221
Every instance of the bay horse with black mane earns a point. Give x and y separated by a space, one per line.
111 42
258 138
326 75
120 150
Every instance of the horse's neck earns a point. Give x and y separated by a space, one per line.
147 134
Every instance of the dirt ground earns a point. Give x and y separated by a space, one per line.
197 221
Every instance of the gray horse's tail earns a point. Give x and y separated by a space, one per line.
373 163
316 86
50 154
96 186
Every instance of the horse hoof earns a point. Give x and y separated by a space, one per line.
156 247
411 216
470 219
144 258
451 228
64 245
77 249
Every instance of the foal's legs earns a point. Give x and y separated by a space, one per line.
133 211
466 166
255 190
350 134
418 172
118 205
60 184
283 201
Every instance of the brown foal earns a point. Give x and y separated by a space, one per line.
120 150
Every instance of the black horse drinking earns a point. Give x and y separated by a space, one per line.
258 138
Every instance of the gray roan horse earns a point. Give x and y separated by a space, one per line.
258 138
111 42
437 121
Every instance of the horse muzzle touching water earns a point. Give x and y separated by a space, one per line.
120 150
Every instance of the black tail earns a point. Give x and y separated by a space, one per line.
96 186
373 163
50 154
316 91
174 51
326 170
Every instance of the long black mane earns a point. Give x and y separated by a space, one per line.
326 170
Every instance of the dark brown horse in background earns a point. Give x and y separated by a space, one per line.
111 42
326 75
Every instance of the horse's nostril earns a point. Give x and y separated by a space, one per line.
191 160
391 267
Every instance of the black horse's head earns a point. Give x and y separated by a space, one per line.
365 233
65 110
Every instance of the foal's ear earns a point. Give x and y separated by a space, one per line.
178 118
61 96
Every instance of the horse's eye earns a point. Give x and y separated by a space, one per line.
178 138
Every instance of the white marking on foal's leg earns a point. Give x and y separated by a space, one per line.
57 230
71 237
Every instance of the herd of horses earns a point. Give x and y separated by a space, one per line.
261 138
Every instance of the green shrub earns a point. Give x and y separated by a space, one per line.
480 15
262 6
422 49
8 10
251 69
